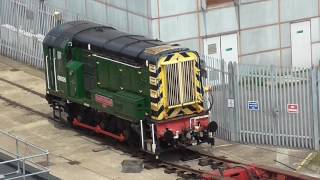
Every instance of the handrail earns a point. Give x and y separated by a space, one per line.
23 141
21 161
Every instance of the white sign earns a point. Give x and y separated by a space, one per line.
230 103
293 108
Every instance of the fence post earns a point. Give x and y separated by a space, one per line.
274 105
315 100
236 109
230 96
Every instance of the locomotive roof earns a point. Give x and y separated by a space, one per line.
133 49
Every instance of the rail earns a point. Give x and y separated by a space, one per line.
22 159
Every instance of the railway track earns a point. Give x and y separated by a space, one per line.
206 166
17 104
187 164
26 108
22 87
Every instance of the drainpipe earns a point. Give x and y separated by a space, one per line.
203 10
237 8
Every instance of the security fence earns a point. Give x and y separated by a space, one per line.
23 25
265 104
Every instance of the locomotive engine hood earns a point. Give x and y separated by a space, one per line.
109 42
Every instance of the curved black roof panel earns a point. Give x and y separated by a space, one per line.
103 40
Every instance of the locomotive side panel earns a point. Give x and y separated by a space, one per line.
99 82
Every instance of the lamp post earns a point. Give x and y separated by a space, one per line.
57 17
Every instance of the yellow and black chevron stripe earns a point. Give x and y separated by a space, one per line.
160 109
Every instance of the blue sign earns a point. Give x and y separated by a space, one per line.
253 106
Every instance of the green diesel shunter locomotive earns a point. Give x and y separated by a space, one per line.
128 87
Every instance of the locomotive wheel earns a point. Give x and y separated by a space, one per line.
213 126
133 139
70 121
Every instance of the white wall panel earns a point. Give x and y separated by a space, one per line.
286 58
257 14
315 29
260 39
76 6
153 8
178 27
285 35
266 58
97 11
155 29
56 3
193 44
218 21
297 9
117 18
138 25
138 6
118 3
316 54
171 7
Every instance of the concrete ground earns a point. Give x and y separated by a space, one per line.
72 154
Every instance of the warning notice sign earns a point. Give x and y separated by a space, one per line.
293 108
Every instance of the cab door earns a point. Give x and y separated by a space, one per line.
75 79
60 68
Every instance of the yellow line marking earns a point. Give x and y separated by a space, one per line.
307 159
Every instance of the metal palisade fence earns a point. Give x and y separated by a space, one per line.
23 25
265 104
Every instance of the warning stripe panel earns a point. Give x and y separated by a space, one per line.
153 81
159 105
152 68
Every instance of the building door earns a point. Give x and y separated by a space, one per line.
212 47
301 44
222 47
229 48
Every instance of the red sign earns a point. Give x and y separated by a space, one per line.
104 101
293 108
